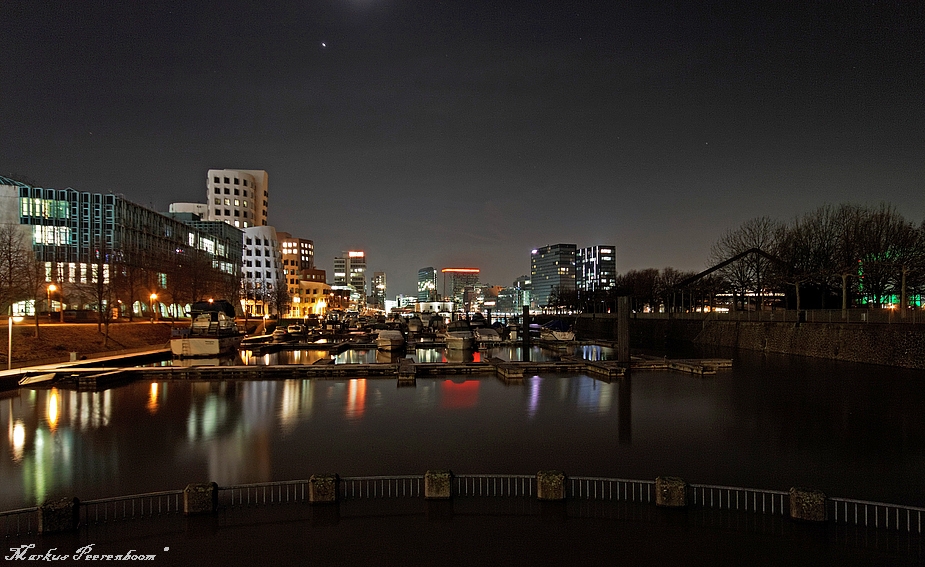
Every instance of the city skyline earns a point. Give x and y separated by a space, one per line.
466 135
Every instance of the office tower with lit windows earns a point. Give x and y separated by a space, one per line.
239 197
298 256
552 270
379 289
460 280
82 238
350 270
427 284
596 268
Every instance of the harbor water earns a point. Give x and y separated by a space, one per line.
772 422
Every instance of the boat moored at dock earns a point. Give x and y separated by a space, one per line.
213 331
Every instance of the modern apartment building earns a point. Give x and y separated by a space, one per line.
264 285
239 197
82 237
298 256
552 270
314 296
596 268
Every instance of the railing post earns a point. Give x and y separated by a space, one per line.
550 485
807 505
323 488
670 492
59 516
200 499
438 484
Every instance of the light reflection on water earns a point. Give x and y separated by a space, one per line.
850 430
374 356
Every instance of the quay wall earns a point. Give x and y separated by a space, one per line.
897 344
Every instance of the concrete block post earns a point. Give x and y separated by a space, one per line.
807 505
670 492
200 498
438 485
59 516
550 485
323 488
623 329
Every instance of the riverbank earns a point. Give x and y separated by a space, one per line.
57 342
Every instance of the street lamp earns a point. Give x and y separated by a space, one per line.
153 312
51 288
9 350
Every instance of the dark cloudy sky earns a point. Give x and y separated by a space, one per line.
465 133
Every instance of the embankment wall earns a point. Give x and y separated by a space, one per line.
895 344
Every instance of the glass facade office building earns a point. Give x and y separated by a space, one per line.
552 268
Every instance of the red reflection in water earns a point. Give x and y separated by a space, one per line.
456 395
356 398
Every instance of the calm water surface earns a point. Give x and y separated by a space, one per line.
771 422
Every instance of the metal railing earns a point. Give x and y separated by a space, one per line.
715 497
494 485
600 490
875 515
263 493
382 486
131 507
19 522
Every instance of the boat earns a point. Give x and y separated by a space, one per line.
390 339
212 332
459 335
556 330
280 334
37 379
296 330
486 335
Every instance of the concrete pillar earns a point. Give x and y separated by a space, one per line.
623 329
59 516
670 492
200 499
550 485
438 485
807 505
323 488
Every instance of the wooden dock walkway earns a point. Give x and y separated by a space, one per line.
405 371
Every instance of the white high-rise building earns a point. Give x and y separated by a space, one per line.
264 280
239 197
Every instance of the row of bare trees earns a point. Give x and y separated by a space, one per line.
842 255
848 252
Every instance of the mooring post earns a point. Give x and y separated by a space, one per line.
623 329
525 338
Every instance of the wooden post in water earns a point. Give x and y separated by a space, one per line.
623 329
525 336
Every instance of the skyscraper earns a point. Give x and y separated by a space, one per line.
461 280
350 270
379 288
596 268
552 269
427 284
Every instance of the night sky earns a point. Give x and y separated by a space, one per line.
466 133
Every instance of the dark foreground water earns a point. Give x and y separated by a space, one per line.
771 422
